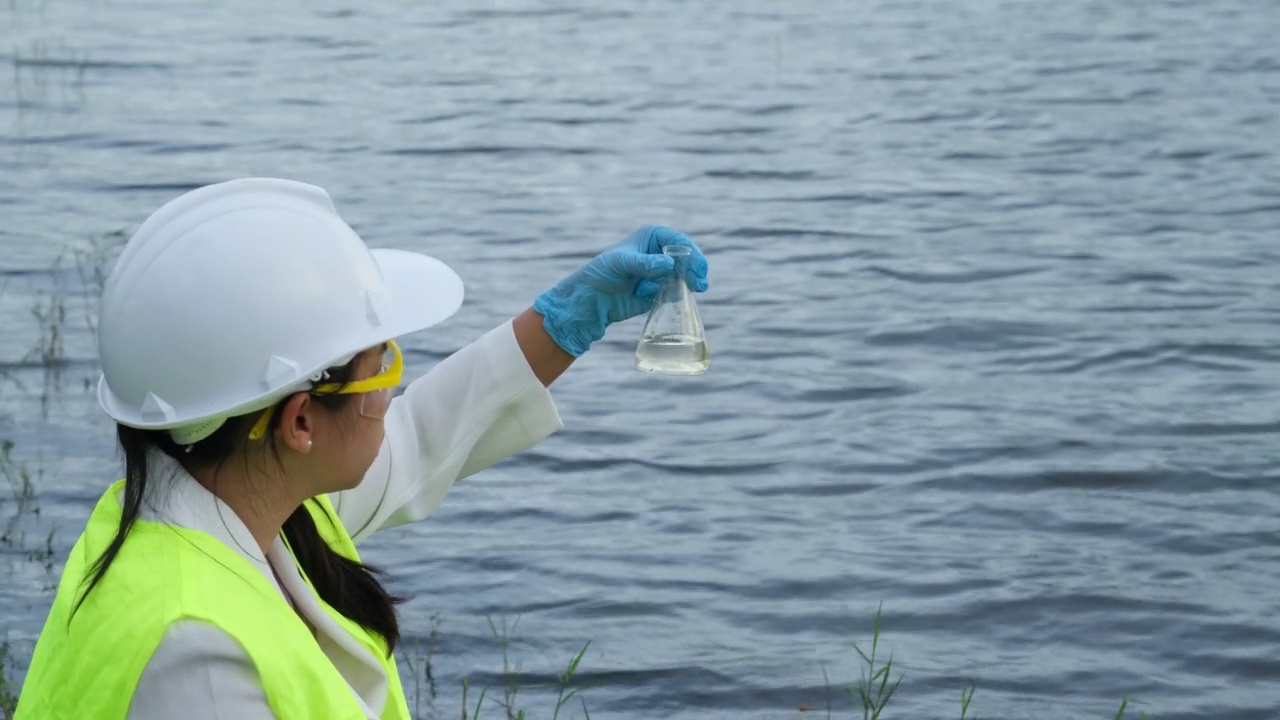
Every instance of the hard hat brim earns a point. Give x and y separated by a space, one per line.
424 292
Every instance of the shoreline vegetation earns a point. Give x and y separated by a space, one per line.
867 695
870 693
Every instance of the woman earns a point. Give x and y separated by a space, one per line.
247 339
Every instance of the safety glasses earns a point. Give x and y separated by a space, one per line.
375 392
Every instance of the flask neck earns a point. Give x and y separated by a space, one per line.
680 254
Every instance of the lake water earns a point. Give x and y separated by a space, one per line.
994 320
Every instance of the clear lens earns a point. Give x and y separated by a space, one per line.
375 403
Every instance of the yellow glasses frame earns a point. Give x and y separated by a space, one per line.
389 378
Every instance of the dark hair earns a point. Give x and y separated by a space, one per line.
350 587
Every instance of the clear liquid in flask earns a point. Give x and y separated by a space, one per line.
673 354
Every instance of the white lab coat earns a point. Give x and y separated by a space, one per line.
478 406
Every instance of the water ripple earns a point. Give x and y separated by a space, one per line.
993 318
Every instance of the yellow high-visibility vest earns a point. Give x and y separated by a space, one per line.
86 667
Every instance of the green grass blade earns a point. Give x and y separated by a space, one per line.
573 665
966 697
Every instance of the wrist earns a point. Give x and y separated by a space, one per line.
545 357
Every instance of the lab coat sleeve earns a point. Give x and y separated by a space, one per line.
199 673
478 406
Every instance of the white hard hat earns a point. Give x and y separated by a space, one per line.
234 295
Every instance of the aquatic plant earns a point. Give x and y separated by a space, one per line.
876 685
50 349
21 493
93 265
421 670
563 685
8 691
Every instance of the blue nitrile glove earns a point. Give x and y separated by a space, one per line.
617 284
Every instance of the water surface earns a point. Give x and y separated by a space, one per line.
993 319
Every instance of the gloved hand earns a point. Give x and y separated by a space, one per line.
617 284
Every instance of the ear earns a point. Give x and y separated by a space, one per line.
296 423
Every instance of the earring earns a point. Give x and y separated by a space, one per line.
308 444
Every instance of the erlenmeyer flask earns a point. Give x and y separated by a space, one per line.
673 341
